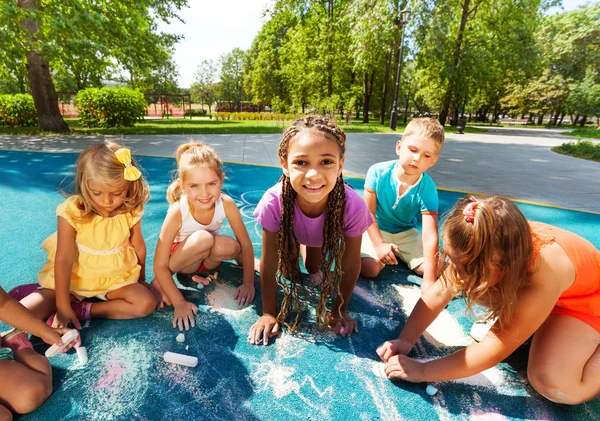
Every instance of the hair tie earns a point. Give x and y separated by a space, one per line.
130 173
469 212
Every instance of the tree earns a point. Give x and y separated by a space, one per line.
232 77
205 89
84 40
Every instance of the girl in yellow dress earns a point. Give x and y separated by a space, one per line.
98 250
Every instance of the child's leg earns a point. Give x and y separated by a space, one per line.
369 267
225 248
311 256
130 302
564 360
26 381
41 303
191 252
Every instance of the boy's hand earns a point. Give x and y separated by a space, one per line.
390 348
185 315
244 294
266 327
402 367
344 325
159 294
385 253
64 317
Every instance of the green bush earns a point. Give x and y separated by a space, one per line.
580 149
18 111
195 113
110 107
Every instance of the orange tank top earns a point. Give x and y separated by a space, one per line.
584 294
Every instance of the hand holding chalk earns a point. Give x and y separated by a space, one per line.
67 338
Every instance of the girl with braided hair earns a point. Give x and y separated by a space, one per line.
535 279
312 213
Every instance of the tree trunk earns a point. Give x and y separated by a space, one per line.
385 89
330 43
457 56
40 81
583 120
540 120
367 92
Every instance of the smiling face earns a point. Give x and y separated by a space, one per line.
107 198
202 186
313 165
416 154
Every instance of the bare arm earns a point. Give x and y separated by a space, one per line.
63 267
241 234
351 270
430 250
15 314
535 304
268 272
139 245
267 326
162 273
373 231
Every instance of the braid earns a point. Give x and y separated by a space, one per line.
333 230
333 248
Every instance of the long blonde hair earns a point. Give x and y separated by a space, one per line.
333 229
192 155
99 163
498 234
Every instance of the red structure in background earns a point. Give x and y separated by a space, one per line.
159 105
165 105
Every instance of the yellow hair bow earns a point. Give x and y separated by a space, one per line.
131 173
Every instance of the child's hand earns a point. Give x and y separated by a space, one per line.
53 336
64 317
265 327
159 294
185 315
391 348
244 294
402 367
385 253
344 325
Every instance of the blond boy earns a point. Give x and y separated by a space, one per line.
395 192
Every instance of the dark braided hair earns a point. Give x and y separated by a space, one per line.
288 275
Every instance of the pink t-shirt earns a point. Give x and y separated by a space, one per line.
309 231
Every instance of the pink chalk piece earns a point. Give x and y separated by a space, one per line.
200 280
342 330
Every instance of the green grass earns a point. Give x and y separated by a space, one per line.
581 149
207 126
589 132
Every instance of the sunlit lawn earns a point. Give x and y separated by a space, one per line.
208 126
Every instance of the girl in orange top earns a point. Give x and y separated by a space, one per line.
535 279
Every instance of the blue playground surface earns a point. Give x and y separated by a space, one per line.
312 375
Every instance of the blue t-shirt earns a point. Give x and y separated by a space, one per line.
397 213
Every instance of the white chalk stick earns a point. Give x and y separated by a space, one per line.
180 338
67 338
430 390
187 360
82 355
200 286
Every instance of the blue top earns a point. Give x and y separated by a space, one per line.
397 213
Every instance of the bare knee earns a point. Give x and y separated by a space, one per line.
32 395
5 414
225 248
555 389
201 241
145 305
370 268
